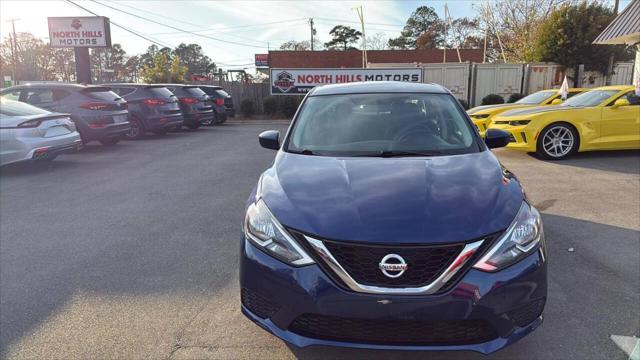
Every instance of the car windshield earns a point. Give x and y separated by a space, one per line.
194 91
222 93
103 94
537 97
590 98
16 108
379 124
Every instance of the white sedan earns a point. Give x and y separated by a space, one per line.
31 133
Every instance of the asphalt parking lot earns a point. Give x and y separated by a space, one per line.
131 252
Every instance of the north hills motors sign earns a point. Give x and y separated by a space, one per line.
300 81
88 31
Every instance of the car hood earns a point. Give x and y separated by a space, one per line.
537 110
490 108
391 200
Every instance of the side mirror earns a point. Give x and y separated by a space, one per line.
270 139
557 101
621 102
496 138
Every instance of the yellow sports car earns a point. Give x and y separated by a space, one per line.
605 118
482 115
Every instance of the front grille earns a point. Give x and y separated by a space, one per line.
425 263
258 304
525 315
393 332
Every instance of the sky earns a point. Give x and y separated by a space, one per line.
230 32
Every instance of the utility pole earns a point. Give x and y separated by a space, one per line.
444 50
313 32
360 13
611 57
14 47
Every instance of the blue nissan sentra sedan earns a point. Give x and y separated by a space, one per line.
385 222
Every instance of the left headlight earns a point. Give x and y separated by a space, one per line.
520 239
264 231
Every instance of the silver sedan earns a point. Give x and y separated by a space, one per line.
31 133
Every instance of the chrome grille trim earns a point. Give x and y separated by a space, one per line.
459 262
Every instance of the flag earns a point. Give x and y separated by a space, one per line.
564 89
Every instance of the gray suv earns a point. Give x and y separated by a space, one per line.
152 108
195 105
98 113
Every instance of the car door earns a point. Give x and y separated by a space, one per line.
620 126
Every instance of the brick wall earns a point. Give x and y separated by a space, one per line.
353 58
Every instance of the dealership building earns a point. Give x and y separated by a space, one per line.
375 58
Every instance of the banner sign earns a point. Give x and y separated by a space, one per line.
300 81
262 60
88 31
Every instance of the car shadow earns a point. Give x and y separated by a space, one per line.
36 167
623 161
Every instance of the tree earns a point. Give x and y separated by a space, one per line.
515 23
164 71
566 37
423 24
377 42
293 45
465 33
108 64
193 58
343 37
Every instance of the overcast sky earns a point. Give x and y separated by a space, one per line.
249 27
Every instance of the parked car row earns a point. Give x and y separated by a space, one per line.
104 113
604 118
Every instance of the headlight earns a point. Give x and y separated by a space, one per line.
264 231
520 239
519 122
480 116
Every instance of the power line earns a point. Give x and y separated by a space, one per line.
357 22
176 28
215 31
121 27
174 19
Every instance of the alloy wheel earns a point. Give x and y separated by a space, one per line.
558 141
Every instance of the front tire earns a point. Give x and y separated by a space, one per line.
557 141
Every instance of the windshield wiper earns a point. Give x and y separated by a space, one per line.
302 151
399 153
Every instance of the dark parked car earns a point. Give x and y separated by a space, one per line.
152 108
194 103
223 102
385 222
98 113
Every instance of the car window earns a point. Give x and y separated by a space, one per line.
123 91
536 97
368 124
590 98
59 94
222 93
194 91
13 95
16 108
39 96
160 92
632 98
101 94
573 93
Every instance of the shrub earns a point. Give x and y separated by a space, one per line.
514 97
289 106
270 105
492 99
247 107
464 103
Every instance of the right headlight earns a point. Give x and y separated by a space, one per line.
521 238
266 232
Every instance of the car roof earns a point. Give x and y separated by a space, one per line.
615 87
377 87
52 85
211 86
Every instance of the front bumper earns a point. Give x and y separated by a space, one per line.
524 138
493 298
